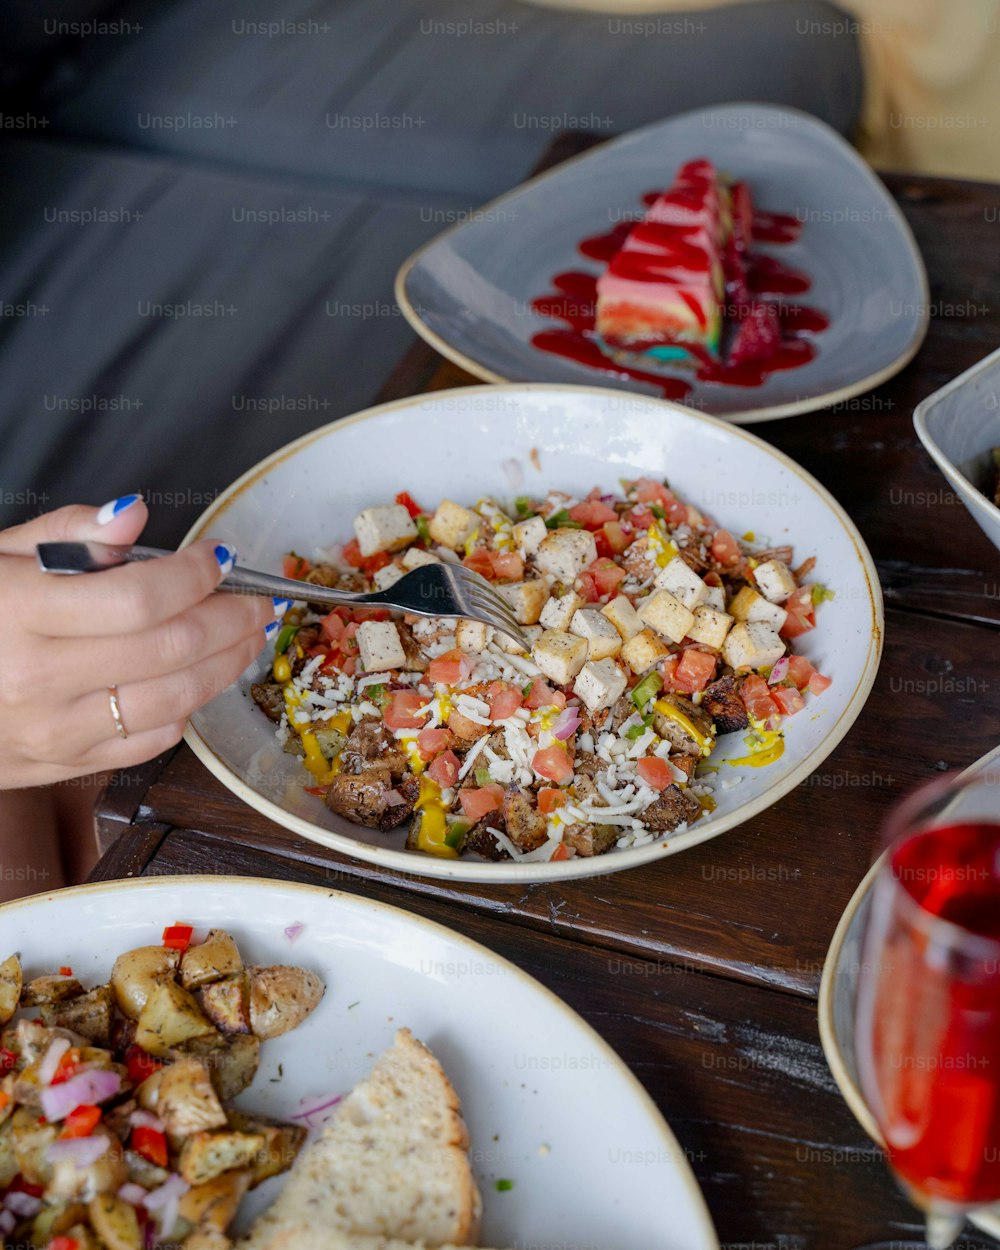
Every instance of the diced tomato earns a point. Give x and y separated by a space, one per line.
560 852
81 1121
542 694
799 671
549 800
818 683
668 671
140 1065
401 712
479 802
431 742
600 579
616 537
406 499
725 549
504 700
372 564
801 614
592 514
655 772
451 668
63 1242
151 1144
757 699
553 763
177 936
788 699
479 561
444 770
507 566
352 554
332 629
295 567
465 728
695 670
649 491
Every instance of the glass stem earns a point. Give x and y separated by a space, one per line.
943 1224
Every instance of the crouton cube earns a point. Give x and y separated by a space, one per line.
683 583
643 650
560 655
710 626
715 597
748 605
472 635
511 646
452 524
558 611
603 639
623 617
565 553
525 598
667 615
775 580
416 556
380 646
528 535
384 529
600 684
388 576
752 644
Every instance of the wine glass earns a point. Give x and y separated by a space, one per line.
928 1008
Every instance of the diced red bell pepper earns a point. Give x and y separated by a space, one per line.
177 936
140 1065
65 972
62 1242
151 1144
81 1121
406 499
67 1067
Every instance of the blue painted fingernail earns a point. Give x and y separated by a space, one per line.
226 557
116 507
271 630
281 606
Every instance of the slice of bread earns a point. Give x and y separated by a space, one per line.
393 1164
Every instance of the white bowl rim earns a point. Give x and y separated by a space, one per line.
472 871
770 413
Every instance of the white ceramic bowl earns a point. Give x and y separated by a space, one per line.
960 425
455 443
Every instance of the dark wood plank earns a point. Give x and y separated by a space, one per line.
119 802
130 852
759 903
740 1078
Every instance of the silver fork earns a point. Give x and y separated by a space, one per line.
443 589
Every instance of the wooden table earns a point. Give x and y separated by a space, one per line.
702 971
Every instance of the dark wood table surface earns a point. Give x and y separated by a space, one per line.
703 971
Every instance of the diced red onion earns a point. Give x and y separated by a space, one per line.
146 1119
293 930
307 1112
83 1151
567 724
133 1194
394 799
172 1189
23 1204
87 1088
779 672
8 1222
51 1060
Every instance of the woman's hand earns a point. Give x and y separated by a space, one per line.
152 629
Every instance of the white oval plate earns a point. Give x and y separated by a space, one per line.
454 443
530 1073
469 291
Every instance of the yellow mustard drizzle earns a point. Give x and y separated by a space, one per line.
433 826
471 541
705 741
661 545
766 746
314 760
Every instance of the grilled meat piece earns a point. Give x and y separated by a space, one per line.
524 825
721 700
671 809
298 657
591 839
337 579
621 711
674 732
270 698
479 840
370 745
364 798
586 767
416 661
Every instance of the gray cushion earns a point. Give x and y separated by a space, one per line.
106 393
388 92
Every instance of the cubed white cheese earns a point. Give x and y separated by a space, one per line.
380 646
600 684
565 553
528 535
715 597
775 580
559 655
452 524
623 616
525 598
752 644
558 611
710 626
683 583
643 650
416 556
511 645
667 615
384 529
388 576
603 639
472 635
748 605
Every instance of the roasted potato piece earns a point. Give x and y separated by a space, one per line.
53 1220
147 1174
137 971
213 1205
281 997
215 958
89 1014
185 1099
9 1166
31 1142
83 1236
116 1223
227 1004
49 990
234 1065
282 1143
205 1156
105 1175
170 1017
11 981
206 1239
